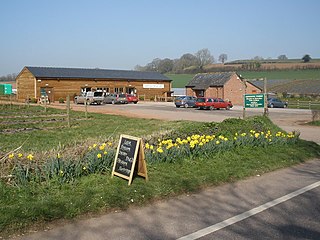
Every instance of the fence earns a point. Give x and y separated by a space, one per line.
304 104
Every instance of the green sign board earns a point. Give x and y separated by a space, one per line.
254 100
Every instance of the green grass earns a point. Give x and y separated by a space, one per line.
180 80
315 123
48 135
34 203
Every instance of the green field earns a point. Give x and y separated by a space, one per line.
181 80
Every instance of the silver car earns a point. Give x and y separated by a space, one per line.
114 98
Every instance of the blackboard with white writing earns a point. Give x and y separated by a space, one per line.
126 156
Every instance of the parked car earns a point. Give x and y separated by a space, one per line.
116 98
132 98
185 101
90 98
204 103
276 103
213 103
220 103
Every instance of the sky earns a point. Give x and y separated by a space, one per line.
120 34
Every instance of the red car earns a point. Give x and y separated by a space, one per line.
213 103
132 98
220 103
204 103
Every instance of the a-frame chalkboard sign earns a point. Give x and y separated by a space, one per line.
130 159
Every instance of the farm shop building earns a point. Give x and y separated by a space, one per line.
58 83
226 85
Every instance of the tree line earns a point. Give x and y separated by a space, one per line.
8 78
187 61
194 63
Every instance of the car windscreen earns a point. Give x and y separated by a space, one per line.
201 100
122 95
98 94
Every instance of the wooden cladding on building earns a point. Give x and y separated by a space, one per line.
31 86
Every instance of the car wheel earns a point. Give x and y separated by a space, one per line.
228 108
285 105
177 106
271 105
211 108
112 102
186 105
135 102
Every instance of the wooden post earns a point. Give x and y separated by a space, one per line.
68 110
86 108
265 112
45 104
10 97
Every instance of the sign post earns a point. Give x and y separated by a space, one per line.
254 101
130 159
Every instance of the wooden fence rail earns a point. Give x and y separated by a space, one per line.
304 104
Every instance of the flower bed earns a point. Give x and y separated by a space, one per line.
99 158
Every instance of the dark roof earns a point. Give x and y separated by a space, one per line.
52 72
203 81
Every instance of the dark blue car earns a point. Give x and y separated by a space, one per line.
185 101
276 103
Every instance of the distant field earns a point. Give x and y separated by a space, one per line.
181 80
309 74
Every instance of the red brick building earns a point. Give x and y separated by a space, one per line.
226 85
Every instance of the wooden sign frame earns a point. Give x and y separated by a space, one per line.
126 161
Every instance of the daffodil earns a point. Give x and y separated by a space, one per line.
105 152
20 155
159 150
30 157
99 155
11 155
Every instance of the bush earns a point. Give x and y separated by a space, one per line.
61 100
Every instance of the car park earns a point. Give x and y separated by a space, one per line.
276 103
132 98
115 98
185 101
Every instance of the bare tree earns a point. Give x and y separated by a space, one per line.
223 57
204 57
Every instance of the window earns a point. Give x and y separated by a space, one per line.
118 90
